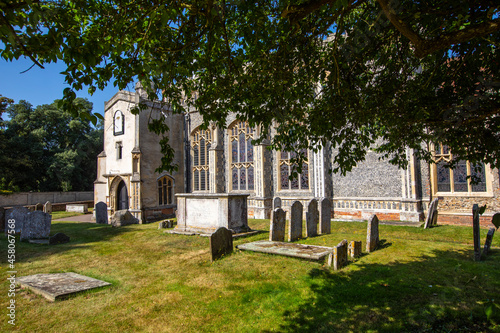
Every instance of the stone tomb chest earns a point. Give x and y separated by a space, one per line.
205 212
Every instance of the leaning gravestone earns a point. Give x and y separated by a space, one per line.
312 218
221 243
47 208
122 218
278 223
295 230
101 213
325 209
36 226
372 237
39 207
18 215
475 230
487 243
432 214
354 249
338 258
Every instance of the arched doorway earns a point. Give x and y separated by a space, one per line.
121 196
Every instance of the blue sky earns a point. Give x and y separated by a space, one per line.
43 86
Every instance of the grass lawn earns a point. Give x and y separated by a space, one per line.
418 281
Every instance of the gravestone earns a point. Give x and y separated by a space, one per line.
276 203
170 223
476 235
59 238
325 208
295 230
354 249
36 225
2 219
162 225
278 224
221 243
101 213
372 237
18 215
59 285
487 243
47 208
122 218
432 214
39 207
78 208
312 216
338 258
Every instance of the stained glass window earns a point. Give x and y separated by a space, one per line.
242 168
301 182
457 180
165 191
200 145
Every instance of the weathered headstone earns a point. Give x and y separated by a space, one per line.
170 223
59 238
372 237
101 213
295 230
338 258
18 215
36 225
162 225
78 208
354 249
122 218
487 243
276 203
325 208
312 216
432 214
476 235
39 207
221 243
47 208
278 224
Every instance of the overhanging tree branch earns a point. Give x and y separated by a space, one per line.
425 47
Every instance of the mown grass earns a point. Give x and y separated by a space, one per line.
418 281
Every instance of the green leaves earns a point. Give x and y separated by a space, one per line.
339 73
496 220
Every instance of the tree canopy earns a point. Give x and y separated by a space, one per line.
45 148
360 74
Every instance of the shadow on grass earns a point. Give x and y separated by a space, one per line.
81 235
444 292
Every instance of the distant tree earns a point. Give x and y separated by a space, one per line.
49 149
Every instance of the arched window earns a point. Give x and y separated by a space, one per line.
200 144
301 182
241 163
457 180
165 191
118 123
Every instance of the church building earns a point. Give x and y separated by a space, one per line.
224 160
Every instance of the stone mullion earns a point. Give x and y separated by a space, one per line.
216 169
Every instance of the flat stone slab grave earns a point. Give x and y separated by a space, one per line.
59 285
303 251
